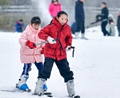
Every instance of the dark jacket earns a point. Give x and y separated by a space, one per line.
104 13
118 22
64 38
79 11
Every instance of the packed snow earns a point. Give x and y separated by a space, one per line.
96 67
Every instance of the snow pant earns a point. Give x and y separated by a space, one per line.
103 27
27 68
80 26
62 65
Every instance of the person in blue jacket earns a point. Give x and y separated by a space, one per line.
19 26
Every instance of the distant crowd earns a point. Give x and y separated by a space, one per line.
108 22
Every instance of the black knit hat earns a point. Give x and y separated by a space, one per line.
36 20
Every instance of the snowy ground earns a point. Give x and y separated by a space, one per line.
96 67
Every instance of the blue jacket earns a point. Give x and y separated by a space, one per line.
79 11
19 27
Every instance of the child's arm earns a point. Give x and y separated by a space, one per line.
23 38
44 33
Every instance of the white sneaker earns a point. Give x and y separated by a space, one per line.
83 37
76 35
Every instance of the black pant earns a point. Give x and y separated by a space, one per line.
62 65
80 26
103 27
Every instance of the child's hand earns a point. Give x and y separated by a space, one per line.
68 48
51 40
30 44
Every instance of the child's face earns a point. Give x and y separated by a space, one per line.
35 26
62 19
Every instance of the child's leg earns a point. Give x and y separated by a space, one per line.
40 67
64 69
44 75
24 76
26 69
67 74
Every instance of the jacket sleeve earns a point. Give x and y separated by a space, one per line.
60 8
23 38
50 9
69 38
44 33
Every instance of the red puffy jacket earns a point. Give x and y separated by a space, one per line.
64 38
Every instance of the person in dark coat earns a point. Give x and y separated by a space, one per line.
104 18
118 24
80 17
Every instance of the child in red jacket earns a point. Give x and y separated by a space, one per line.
59 37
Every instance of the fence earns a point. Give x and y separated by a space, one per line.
98 9
16 9
90 12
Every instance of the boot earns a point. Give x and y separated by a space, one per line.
39 87
76 35
70 88
83 36
22 83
